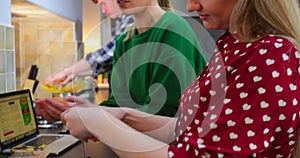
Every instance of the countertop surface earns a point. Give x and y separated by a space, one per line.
93 149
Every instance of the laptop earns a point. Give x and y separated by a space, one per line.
18 125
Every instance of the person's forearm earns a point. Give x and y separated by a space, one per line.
159 127
85 73
124 140
80 68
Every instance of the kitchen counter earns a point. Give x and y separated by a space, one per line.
94 149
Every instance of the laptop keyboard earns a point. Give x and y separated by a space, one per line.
42 140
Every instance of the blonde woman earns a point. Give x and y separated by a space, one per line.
245 103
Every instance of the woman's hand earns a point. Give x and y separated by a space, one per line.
79 101
73 121
50 108
60 77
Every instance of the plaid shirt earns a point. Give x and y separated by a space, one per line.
101 60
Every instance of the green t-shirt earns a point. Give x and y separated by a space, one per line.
152 69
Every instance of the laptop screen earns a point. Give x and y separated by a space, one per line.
17 118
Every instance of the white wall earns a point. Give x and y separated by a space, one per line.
5 13
69 9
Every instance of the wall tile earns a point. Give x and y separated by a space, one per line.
10 62
2 37
10 78
30 49
43 25
53 49
7 59
29 35
68 60
70 48
43 34
30 54
2 83
56 48
25 72
10 38
29 24
69 35
21 25
20 57
44 71
43 48
56 35
44 60
17 58
2 61
55 25
68 25
18 74
17 39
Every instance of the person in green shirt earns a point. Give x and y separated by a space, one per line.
154 61
151 68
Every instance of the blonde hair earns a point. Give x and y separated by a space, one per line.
251 18
164 4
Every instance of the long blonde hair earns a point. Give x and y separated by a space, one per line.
251 18
164 4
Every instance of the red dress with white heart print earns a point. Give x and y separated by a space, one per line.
245 103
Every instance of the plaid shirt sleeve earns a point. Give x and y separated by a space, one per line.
100 60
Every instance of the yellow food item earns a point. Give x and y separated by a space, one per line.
72 87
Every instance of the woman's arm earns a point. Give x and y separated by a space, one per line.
81 68
124 140
159 127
